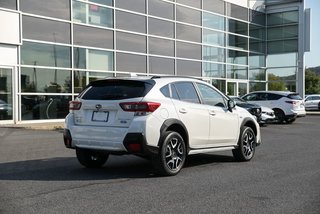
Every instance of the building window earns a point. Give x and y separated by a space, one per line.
237 11
131 42
137 5
51 31
130 22
212 37
213 21
238 27
238 42
54 8
213 70
163 47
190 33
213 54
217 6
92 14
188 15
10 4
237 72
161 9
45 55
91 36
159 65
257 74
188 50
93 59
237 57
131 63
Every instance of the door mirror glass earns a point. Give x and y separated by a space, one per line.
231 104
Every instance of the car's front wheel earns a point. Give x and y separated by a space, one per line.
246 145
91 159
172 154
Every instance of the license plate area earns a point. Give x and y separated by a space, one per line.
100 116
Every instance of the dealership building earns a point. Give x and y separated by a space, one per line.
50 50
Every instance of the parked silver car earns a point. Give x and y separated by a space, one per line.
312 102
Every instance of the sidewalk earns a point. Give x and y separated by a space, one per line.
36 126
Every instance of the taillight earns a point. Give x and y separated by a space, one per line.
292 102
74 105
140 106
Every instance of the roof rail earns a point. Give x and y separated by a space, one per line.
172 76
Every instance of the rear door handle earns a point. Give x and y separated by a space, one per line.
183 110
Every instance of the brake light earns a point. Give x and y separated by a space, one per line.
74 105
292 102
140 106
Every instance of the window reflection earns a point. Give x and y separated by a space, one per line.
213 54
213 21
45 55
213 70
213 37
45 80
92 14
237 72
44 107
237 57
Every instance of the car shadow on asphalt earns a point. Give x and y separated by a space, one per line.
68 168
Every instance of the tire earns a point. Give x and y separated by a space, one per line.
289 121
279 115
91 159
246 145
319 106
172 154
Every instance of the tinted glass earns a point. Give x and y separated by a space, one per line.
257 46
159 65
45 80
257 17
104 2
282 74
161 28
192 3
188 15
165 91
257 31
92 14
210 96
90 36
99 60
116 90
257 86
220 84
131 22
285 46
188 50
213 70
45 55
283 18
213 54
237 72
51 31
237 57
79 81
236 11
213 21
131 62
53 8
188 68
174 92
273 96
281 60
238 42
44 107
185 32
238 27
213 37
10 4
161 9
216 6
257 74
283 32
294 97
136 5
187 92
161 46
131 42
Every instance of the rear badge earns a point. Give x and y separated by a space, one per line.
98 107
123 121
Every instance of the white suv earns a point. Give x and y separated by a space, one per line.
161 118
287 106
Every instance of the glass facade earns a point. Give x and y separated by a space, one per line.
68 43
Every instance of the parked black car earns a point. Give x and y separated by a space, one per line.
254 109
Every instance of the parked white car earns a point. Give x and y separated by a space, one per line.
267 115
312 102
287 106
162 118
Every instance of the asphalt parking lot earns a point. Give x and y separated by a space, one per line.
39 175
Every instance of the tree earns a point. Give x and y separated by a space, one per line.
275 83
312 82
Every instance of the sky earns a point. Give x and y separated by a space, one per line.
312 58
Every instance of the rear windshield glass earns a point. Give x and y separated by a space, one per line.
116 90
294 97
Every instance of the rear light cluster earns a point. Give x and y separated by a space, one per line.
292 102
74 105
140 108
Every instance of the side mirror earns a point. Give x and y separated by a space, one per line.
231 105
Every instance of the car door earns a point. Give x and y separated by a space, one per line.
224 124
192 114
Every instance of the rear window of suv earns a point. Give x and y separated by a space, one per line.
294 97
115 89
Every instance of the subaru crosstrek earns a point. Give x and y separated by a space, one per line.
161 118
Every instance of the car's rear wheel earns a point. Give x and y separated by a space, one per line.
289 121
91 159
246 145
279 115
172 154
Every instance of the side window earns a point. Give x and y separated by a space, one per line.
309 98
261 96
274 96
165 91
187 92
174 93
211 96
250 97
